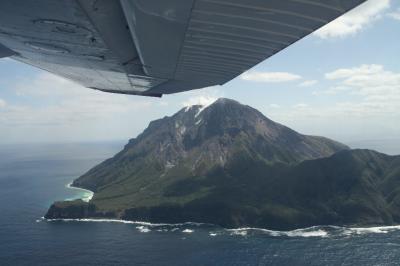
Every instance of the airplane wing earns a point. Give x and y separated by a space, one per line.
155 47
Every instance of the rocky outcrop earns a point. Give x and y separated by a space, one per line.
76 209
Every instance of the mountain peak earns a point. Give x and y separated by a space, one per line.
211 135
220 102
226 101
229 107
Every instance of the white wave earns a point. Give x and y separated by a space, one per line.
325 231
143 229
315 231
306 232
301 233
87 194
107 220
318 231
92 220
103 220
367 230
240 231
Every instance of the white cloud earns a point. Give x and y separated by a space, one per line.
377 89
355 20
395 14
354 72
203 97
163 103
274 106
308 83
2 103
55 109
204 100
301 106
331 91
369 81
273 77
5 60
49 85
368 110
72 102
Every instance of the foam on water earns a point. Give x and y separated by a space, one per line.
306 232
300 233
375 230
104 220
143 229
188 228
86 196
239 232
317 231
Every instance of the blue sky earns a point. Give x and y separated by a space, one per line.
342 82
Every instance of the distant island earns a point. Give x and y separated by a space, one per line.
229 165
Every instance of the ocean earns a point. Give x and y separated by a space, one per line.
33 176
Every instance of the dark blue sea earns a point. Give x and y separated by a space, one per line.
33 176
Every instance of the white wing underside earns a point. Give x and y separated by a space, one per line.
155 47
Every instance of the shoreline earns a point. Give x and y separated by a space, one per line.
86 197
312 231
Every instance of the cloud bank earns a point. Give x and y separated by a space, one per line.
355 20
269 77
